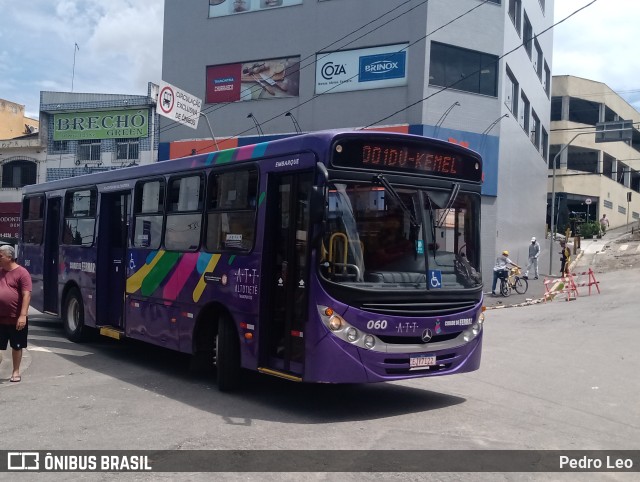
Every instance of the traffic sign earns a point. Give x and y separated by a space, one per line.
587 201
178 105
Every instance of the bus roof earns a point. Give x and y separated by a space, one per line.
318 142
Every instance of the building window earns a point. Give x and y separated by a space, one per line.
584 111
19 173
607 204
60 146
537 60
556 108
127 149
527 36
544 145
89 150
610 115
511 92
535 129
463 69
622 209
547 79
515 9
524 112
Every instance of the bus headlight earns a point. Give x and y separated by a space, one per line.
335 322
369 342
352 334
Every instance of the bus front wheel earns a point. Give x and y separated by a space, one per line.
227 356
73 315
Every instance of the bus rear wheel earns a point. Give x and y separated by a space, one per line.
73 316
227 356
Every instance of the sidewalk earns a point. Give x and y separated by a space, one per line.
535 292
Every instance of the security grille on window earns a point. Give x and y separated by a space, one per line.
88 150
19 173
127 149
463 69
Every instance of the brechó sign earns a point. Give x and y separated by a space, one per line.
104 124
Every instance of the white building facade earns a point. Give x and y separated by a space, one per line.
592 178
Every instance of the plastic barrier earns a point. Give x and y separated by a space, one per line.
590 281
556 286
569 285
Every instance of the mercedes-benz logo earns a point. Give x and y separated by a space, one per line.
427 335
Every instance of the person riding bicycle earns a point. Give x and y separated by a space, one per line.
500 270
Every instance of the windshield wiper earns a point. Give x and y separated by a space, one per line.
452 198
433 224
387 185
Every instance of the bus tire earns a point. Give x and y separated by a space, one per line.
227 356
73 316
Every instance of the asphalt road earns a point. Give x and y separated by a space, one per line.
561 375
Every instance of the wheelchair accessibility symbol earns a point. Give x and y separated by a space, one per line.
435 278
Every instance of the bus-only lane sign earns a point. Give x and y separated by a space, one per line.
178 105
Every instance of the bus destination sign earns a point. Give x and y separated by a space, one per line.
415 157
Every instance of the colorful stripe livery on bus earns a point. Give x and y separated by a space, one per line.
340 257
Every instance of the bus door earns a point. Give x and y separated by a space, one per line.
112 256
51 255
287 282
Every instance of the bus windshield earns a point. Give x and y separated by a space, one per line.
383 237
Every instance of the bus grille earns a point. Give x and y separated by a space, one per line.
437 308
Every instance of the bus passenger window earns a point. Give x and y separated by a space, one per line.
184 217
231 210
148 213
33 219
79 217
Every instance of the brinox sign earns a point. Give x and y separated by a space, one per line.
361 69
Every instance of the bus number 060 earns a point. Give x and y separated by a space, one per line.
376 324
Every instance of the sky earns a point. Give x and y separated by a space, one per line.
120 46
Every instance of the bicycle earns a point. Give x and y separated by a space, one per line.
512 280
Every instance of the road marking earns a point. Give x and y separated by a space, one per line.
59 351
623 247
638 248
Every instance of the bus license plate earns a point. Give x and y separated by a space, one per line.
421 362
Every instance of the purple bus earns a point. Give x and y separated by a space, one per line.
334 257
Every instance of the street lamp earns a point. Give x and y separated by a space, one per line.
210 130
